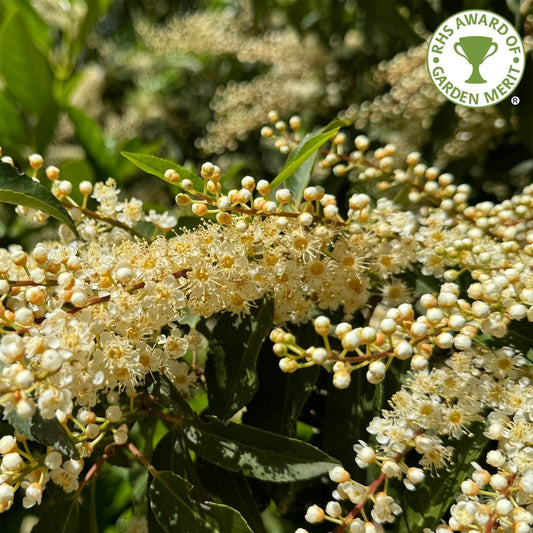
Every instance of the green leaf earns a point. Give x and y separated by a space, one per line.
348 413
519 335
425 507
38 29
123 170
47 432
227 519
255 452
300 179
76 171
114 492
170 397
92 521
20 189
279 412
174 509
90 136
232 357
157 166
232 489
59 518
304 152
168 454
26 71
45 127
11 124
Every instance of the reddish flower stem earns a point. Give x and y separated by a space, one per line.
492 520
357 509
174 420
93 471
102 299
30 283
102 218
142 459
341 528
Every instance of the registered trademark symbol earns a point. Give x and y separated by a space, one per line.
515 100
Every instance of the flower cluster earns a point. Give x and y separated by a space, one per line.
294 80
404 114
439 402
431 410
87 322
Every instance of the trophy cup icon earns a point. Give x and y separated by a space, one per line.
475 50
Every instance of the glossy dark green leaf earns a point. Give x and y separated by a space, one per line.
348 413
157 167
21 425
168 454
61 517
47 432
225 519
301 154
20 189
425 507
232 357
23 66
279 412
256 452
232 489
174 509
169 396
52 433
153 525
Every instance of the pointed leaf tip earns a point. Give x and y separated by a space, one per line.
19 189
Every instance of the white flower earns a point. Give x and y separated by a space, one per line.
314 514
385 509
180 375
164 221
8 444
356 492
7 493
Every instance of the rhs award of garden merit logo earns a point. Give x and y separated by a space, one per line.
476 58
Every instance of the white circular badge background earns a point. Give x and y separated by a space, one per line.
493 70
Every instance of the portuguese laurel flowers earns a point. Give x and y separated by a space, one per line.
89 323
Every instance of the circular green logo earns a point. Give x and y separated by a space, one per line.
476 58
